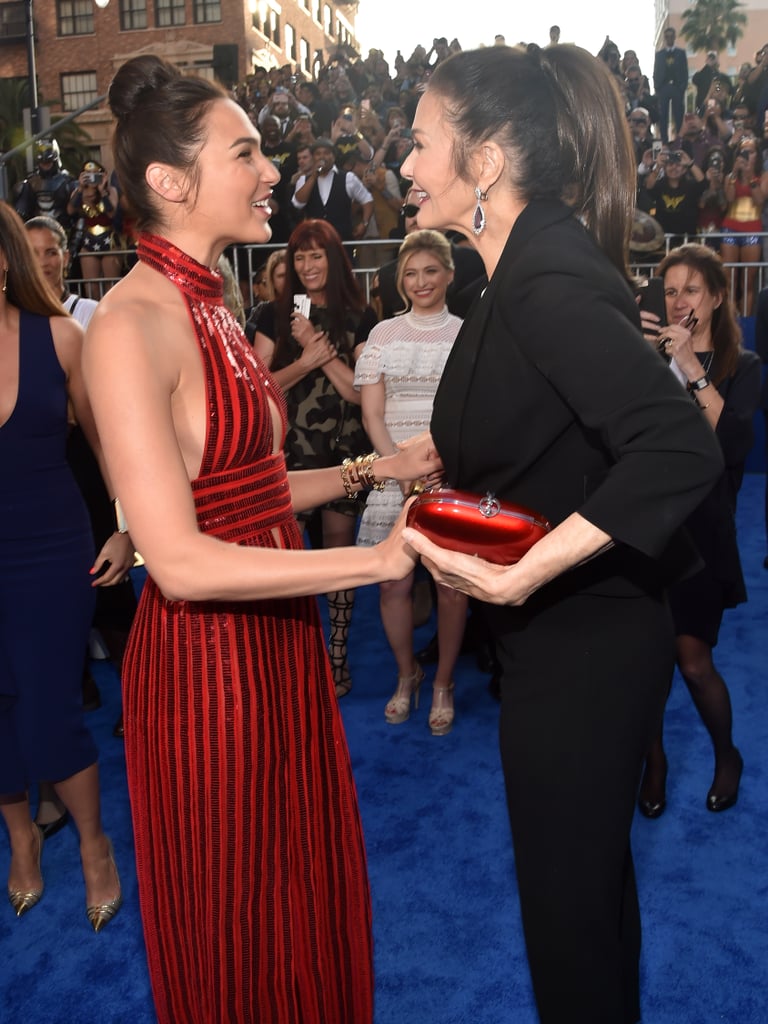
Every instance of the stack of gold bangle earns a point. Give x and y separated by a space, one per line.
357 474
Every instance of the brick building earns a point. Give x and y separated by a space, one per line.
80 43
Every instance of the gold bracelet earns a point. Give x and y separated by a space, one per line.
345 468
364 465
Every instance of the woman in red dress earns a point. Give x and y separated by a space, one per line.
251 865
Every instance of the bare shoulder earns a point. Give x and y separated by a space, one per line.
67 337
141 323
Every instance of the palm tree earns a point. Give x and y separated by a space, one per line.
73 140
713 24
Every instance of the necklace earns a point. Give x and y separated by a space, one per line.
706 359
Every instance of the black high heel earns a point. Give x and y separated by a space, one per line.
717 802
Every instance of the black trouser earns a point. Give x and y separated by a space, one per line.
583 690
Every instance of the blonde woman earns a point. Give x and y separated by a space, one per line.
398 374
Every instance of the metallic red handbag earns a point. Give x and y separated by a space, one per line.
497 531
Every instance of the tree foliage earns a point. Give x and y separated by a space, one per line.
73 141
713 24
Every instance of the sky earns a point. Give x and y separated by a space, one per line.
392 25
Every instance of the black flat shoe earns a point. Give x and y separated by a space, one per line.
50 828
119 729
716 802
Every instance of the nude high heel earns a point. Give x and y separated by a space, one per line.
399 707
22 900
441 719
100 914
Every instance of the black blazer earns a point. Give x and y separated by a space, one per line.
670 69
552 398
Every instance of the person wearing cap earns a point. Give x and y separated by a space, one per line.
327 193
46 191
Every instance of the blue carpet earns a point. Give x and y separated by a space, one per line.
448 941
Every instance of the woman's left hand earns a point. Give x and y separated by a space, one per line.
118 552
303 330
677 344
495 584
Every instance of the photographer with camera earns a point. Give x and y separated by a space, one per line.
713 202
743 218
675 185
92 207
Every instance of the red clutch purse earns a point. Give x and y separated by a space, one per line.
497 531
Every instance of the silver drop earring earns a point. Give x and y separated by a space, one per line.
478 221
5 278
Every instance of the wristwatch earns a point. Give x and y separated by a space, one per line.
698 385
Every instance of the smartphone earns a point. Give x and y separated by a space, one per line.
653 300
656 148
302 304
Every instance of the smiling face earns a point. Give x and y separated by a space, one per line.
49 255
685 290
425 281
230 200
311 266
444 200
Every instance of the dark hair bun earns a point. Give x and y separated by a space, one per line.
135 81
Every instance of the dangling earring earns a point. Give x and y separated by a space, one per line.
478 221
5 278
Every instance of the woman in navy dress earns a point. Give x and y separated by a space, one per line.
48 563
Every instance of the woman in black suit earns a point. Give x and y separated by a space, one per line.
551 398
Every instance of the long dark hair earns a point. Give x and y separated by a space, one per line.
558 113
726 333
160 116
25 286
342 294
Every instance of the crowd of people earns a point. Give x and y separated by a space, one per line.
232 423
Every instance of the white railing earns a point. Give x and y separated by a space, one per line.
368 255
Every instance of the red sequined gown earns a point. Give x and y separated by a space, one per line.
251 864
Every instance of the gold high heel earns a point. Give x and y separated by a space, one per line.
100 914
20 900
441 719
399 707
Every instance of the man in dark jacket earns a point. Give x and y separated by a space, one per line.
670 78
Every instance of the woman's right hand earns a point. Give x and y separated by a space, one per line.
399 559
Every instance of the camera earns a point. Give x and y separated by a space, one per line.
676 157
92 178
716 162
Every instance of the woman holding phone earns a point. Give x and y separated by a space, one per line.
309 337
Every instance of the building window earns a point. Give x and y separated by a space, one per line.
169 12
316 11
290 42
206 11
74 17
133 14
78 89
328 20
304 58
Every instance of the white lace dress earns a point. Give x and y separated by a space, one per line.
409 352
